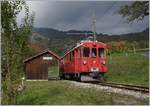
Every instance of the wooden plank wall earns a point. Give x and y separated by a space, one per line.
37 68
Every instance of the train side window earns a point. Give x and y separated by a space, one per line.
94 52
65 59
101 52
76 53
80 52
86 52
73 54
70 57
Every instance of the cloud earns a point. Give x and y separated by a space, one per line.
67 15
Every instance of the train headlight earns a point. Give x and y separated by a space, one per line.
103 62
94 62
84 62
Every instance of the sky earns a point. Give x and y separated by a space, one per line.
77 15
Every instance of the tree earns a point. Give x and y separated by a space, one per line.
136 11
14 47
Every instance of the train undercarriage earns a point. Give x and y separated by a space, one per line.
83 77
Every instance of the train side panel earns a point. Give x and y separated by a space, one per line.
87 58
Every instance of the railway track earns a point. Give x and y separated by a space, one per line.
140 89
127 87
123 89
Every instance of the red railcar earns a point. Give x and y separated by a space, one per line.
87 58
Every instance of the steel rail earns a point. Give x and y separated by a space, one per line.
136 88
127 87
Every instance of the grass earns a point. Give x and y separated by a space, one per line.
130 69
63 93
53 71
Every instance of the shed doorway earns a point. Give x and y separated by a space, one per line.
53 70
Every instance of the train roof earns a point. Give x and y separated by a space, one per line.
82 43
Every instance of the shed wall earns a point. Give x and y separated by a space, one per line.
37 68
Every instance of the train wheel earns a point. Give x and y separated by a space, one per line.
79 77
61 77
72 77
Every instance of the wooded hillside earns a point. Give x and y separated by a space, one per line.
61 41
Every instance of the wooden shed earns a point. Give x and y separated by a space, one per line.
37 66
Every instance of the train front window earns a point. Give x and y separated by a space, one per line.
94 52
86 52
101 52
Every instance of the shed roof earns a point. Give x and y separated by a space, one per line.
41 53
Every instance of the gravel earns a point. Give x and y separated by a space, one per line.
111 89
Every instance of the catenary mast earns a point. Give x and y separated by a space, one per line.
94 27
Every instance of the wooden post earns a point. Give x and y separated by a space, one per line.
134 50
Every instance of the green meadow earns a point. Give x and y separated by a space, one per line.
131 68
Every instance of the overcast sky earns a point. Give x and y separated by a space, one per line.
77 15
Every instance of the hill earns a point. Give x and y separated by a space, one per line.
61 41
138 36
53 33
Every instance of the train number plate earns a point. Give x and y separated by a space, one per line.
94 69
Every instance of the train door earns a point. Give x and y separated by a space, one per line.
77 60
86 58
